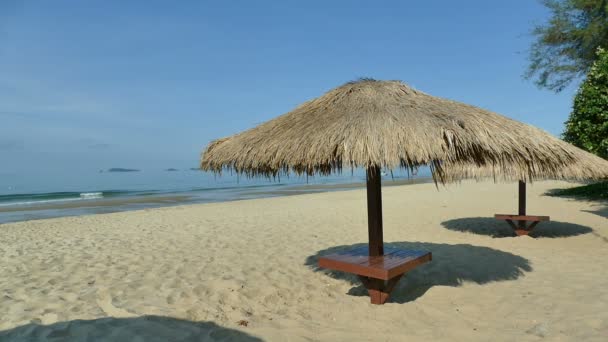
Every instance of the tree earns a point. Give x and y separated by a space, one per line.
565 46
587 126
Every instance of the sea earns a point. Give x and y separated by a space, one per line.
30 197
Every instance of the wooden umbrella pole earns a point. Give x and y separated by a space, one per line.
374 211
522 218
522 203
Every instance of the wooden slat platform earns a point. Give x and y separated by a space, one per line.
522 228
379 274
521 217
394 262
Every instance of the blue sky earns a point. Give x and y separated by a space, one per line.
90 85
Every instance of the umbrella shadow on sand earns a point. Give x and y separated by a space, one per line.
451 266
144 328
500 229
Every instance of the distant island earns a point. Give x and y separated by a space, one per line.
120 169
195 168
171 169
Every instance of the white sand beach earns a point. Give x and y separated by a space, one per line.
192 273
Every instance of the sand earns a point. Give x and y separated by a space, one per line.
201 272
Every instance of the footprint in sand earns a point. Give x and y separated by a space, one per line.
104 300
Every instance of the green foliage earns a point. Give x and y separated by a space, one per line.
587 126
597 191
565 46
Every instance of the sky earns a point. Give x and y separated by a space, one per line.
89 85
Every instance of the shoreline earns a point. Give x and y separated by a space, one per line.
94 203
70 208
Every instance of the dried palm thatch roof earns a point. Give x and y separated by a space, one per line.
389 124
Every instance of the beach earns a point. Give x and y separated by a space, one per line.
246 270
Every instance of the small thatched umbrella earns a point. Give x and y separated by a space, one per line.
374 124
588 166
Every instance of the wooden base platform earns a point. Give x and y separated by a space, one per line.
522 228
379 274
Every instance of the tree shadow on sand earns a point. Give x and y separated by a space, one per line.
500 229
602 211
145 328
592 192
452 265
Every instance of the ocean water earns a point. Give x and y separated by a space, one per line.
45 195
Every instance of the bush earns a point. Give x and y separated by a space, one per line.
587 126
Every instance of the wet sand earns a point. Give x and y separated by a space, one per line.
315 188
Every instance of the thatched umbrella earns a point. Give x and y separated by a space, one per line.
374 124
588 166
386 123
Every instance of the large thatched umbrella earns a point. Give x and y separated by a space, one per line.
374 124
